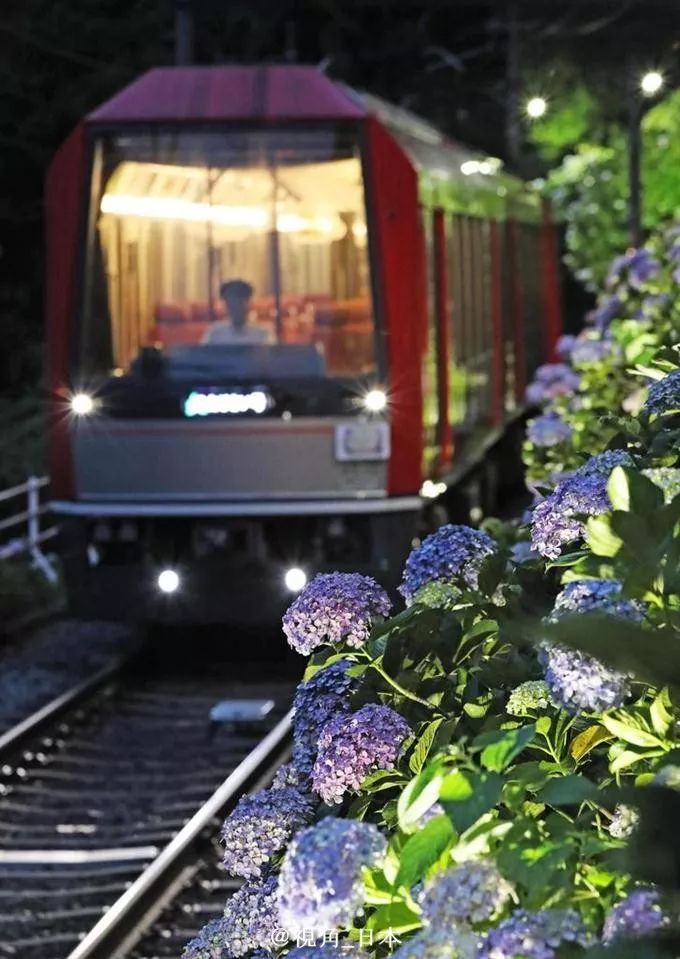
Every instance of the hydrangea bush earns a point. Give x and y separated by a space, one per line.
492 772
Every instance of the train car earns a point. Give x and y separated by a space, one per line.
283 318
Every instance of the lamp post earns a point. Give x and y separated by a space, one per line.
639 88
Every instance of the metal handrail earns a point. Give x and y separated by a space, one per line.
27 521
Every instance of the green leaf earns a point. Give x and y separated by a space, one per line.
396 917
630 734
467 796
567 791
502 745
423 849
600 538
659 713
424 745
587 740
632 492
543 725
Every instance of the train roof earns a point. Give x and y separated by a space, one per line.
451 175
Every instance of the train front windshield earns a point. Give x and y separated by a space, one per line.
229 248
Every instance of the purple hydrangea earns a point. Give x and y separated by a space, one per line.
251 918
320 886
639 914
635 267
588 350
533 935
353 745
210 943
335 607
452 553
555 520
261 826
453 943
289 775
664 395
608 310
577 681
551 380
470 893
564 346
548 430
317 701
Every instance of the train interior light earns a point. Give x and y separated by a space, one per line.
82 404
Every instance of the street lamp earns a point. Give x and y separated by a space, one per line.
644 88
536 107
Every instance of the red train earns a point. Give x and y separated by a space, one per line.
283 318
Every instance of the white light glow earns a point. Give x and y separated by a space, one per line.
82 404
206 404
536 107
469 167
295 579
375 401
253 217
430 490
651 83
168 581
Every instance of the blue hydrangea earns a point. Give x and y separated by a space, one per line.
210 943
317 701
320 885
289 775
470 893
589 350
453 553
664 395
577 681
639 914
548 430
260 827
636 267
251 918
453 943
564 346
353 745
335 607
551 380
556 520
533 935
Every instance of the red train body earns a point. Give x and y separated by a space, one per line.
396 291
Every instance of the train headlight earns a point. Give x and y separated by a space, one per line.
375 401
82 404
168 581
295 579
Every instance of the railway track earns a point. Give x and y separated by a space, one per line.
110 802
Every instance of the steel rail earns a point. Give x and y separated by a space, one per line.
14 737
127 913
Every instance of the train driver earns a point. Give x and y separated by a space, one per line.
235 330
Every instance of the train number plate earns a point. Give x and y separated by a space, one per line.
359 442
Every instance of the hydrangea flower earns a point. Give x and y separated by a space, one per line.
635 266
639 914
251 918
210 943
527 697
664 395
452 553
469 893
564 346
452 943
260 827
533 935
335 607
607 311
624 821
548 430
584 493
288 775
667 478
317 701
577 681
352 746
551 380
590 350
320 886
